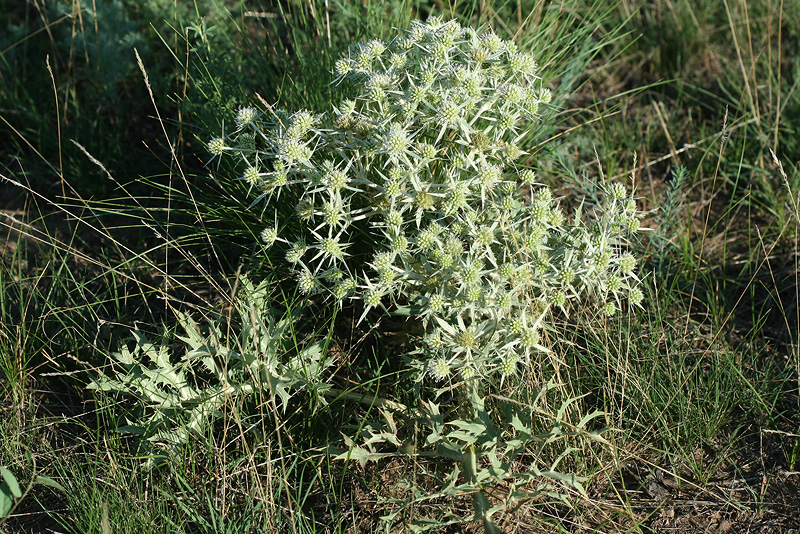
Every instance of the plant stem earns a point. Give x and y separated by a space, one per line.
469 462
368 400
479 500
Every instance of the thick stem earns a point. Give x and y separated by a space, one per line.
469 461
479 500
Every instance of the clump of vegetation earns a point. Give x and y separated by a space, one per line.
410 196
410 293
411 193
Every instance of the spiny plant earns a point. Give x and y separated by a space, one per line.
179 397
411 195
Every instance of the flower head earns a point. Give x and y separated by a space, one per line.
216 146
245 116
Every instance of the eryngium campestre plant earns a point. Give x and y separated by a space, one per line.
409 193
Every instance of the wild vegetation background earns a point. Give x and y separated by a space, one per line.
111 221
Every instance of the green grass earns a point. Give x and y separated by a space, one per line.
685 101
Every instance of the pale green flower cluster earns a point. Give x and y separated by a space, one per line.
408 194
